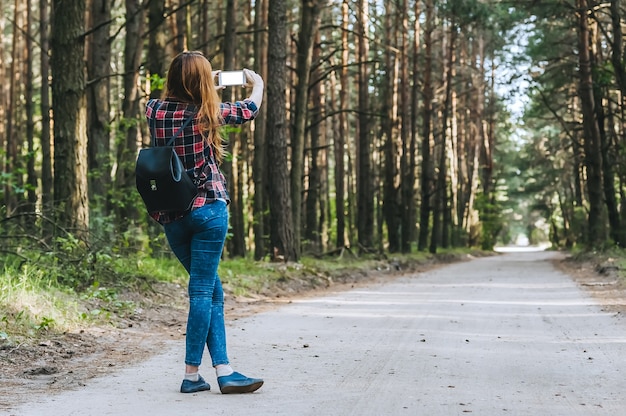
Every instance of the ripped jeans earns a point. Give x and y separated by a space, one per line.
197 240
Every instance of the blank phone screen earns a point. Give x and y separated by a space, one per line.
231 78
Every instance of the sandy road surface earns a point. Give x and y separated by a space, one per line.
504 335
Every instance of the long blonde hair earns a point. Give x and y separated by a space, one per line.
190 78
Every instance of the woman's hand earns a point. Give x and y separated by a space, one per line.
252 78
255 81
215 75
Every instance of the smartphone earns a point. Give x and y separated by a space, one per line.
227 78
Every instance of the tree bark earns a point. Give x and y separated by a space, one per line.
313 209
608 173
426 168
406 162
156 62
365 187
389 128
309 25
4 100
232 168
339 139
281 225
205 26
31 189
440 234
182 43
617 53
12 149
409 187
127 152
47 179
70 115
98 106
260 174
617 56
593 155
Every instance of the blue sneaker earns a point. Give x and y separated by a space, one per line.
238 383
189 386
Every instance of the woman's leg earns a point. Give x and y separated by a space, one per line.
179 239
210 225
205 323
178 236
216 340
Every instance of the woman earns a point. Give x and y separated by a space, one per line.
197 236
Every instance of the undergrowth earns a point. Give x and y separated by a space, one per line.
43 295
612 259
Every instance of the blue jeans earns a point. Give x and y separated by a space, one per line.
197 240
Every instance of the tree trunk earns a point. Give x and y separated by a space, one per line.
463 156
181 26
12 161
484 143
608 173
70 115
339 139
314 208
4 102
617 232
617 54
593 155
47 179
232 168
98 106
325 215
127 152
490 216
426 168
156 62
450 221
439 237
389 128
407 165
260 127
409 187
281 226
205 26
31 190
238 226
365 187
309 25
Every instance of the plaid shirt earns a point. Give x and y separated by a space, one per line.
197 157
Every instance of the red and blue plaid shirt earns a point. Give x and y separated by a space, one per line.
197 157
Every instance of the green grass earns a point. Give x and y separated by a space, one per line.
163 269
55 296
31 304
243 276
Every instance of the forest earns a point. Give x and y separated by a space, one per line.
388 127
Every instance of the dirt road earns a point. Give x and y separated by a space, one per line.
504 335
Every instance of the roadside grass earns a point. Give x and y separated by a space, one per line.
615 260
31 304
611 260
43 299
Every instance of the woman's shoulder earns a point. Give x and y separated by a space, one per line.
154 103
172 108
170 105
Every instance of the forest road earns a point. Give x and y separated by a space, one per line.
504 335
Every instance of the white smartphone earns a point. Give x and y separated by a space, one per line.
228 78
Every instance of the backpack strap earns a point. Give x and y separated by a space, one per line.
185 124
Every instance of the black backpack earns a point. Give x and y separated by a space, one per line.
161 179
